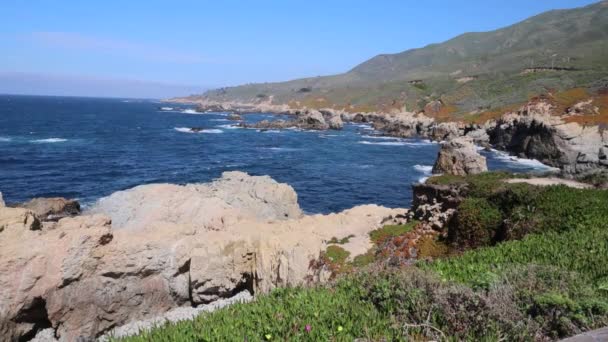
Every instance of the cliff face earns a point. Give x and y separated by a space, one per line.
534 132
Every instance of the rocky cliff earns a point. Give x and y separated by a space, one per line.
141 252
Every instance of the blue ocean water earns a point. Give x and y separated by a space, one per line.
87 148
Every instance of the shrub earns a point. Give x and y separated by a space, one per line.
475 224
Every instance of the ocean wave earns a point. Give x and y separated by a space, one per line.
49 140
190 111
5 139
281 149
379 137
533 163
383 143
271 131
229 126
219 120
189 130
426 169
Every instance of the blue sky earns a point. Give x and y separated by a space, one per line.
201 44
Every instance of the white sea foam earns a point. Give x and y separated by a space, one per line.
166 108
190 111
229 126
426 169
189 130
5 139
271 131
219 120
533 163
49 140
281 149
379 137
384 143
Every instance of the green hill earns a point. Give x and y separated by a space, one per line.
481 71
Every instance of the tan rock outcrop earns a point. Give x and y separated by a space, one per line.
162 247
52 209
459 157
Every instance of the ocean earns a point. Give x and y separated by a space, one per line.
87 148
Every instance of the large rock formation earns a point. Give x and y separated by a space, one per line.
141 252
459 157
533 132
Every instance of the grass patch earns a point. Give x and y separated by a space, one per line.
336 254
389 231
292 314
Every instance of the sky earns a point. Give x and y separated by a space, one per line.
169 48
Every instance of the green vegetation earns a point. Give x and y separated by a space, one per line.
341 241
336 254
541 273
379 235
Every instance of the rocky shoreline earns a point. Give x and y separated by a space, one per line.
533 131
142 252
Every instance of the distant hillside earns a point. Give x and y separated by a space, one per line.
474 72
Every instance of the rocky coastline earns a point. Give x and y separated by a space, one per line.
533 131
142 252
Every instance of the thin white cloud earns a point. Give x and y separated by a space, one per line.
77 41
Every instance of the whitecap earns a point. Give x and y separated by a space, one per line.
4 139
49 140
219 120
271 131
166 109
281 149
380 137
190 111
189 130
384 143
229 126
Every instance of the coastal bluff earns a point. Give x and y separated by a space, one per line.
139 253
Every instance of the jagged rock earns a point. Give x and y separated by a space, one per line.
532 132
18 219
435 204
52 209
167 246
333 118
234 117
479 136
447 131
459 157
312 119
403 124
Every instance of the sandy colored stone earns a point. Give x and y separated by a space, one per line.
459 157
155 248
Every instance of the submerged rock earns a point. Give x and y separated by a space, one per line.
234 117
459 157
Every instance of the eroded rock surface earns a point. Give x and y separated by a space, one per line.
459 157
52 209
142 252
